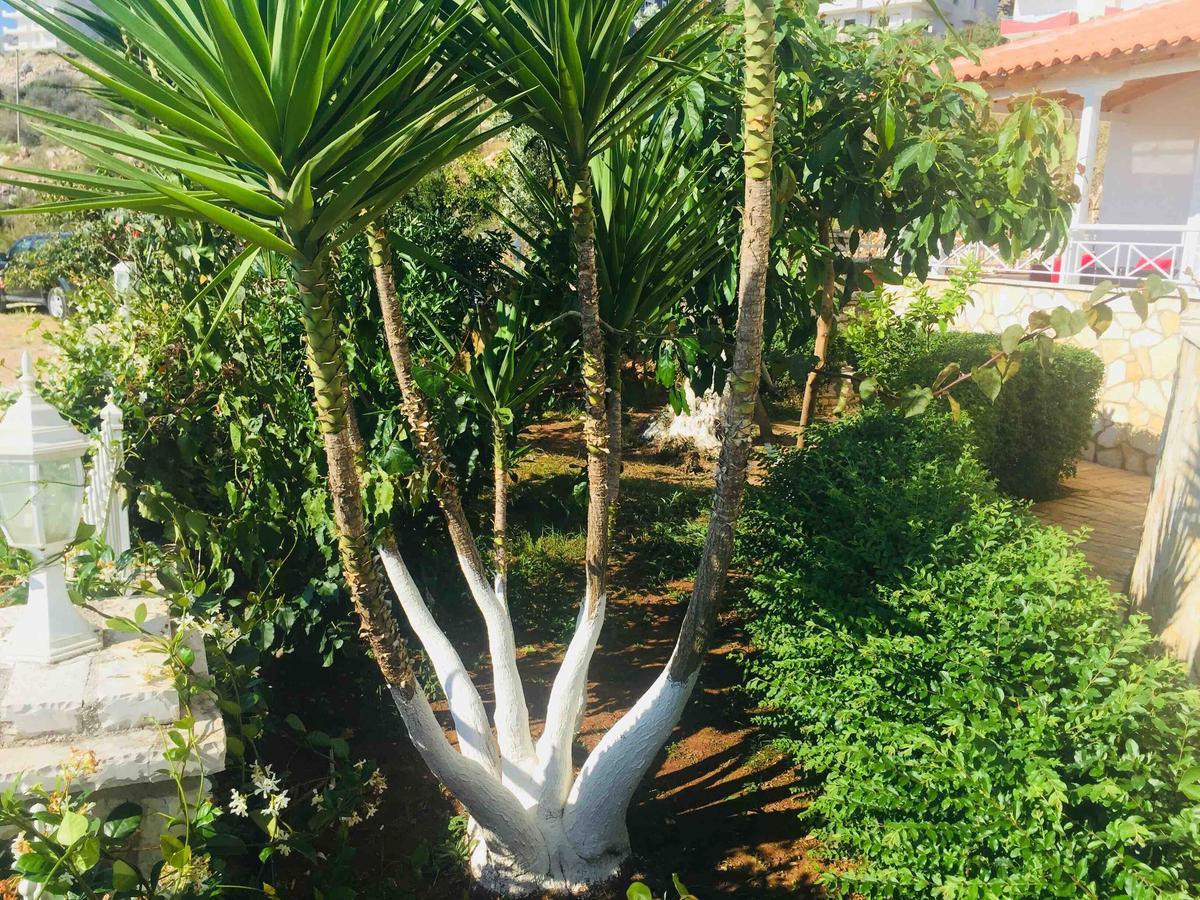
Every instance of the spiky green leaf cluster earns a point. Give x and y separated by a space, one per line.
584 72
280 120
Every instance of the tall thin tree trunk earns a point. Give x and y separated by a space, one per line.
512 713
824 333
595 420
500 507
616 439
599 799
338 434
753 265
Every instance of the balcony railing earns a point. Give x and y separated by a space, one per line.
1123 254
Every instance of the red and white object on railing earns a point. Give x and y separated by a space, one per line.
1124 254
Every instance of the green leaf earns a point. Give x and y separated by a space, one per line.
1099 318
886 124
867 388
125 876
122 821
915 401
71 829
684 893
1011 338
1062 322
638 891
988 380
1101 290
86 853
1189 784
1016 180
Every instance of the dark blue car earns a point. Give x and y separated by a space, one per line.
52 293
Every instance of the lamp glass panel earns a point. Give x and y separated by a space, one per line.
59 498
17 490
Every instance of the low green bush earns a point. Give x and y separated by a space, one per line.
1032 435
985 721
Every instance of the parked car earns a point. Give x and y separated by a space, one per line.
50 291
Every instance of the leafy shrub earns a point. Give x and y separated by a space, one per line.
986 722
1030 437
878 340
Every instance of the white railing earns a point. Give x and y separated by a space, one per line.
1123 254
104 502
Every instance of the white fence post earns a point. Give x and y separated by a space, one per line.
105 505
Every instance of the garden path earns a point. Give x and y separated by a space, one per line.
1112 503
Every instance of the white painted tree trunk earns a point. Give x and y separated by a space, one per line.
537 826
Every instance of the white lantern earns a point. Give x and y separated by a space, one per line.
41 499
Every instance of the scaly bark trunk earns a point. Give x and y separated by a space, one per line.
824 333
339 436
512 714
616 440
500 507
595 420
595 811
754 264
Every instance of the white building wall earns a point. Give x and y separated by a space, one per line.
1036 10
23 34
1153 162
960 13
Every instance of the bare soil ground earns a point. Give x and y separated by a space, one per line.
22 330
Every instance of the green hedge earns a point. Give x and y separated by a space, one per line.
985 721
1032 435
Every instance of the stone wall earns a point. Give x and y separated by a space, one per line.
1139 362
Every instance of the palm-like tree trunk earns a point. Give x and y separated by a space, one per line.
616 438
500 507
338 434
595 419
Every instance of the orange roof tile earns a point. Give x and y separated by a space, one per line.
1171 24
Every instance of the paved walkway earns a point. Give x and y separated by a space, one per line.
1112 503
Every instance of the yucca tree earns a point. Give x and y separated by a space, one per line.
296 123
291 123
583 74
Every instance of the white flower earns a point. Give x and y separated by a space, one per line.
318 799
278 803
351 820
21 846
265 781
284 850
237 804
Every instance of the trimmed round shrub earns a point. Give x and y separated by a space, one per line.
1032 435
983 719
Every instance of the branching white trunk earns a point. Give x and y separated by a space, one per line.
470 721
568 697
509 830
512 715
594 817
